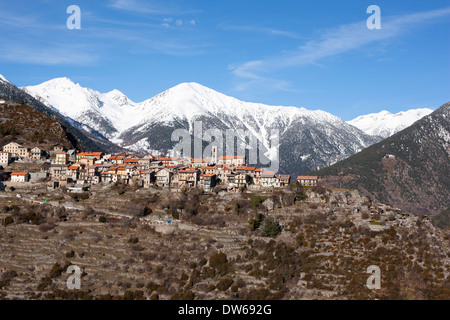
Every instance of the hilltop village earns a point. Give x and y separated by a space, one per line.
74 169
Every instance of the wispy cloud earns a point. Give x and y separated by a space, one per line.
148 7
30 39
331 42
42 55
264 30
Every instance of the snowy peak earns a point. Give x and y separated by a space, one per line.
3 79
106 113
118 97
385 124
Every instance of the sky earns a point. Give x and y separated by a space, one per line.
313 54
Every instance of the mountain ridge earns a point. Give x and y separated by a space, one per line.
410 169
385 123
309 139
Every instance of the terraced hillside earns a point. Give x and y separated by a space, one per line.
127 249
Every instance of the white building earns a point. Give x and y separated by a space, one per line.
5 158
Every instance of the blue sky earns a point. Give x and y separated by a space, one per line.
313 54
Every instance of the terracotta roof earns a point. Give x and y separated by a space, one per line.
133 160
246 168
87 154
19 173
73 168
187 171
307 178
230 157
268 173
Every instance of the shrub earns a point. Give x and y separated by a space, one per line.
224 284
442 220
257 200
300 196
70 254
301 240
147 211
102 219
45 227
255 221
8 220
133 295
217 259
269 228
219 263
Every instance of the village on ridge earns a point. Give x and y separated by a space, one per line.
74 170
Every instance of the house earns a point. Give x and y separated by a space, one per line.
20 177
283 180
16 150
231 160
209 170
5 158
241 179
198 163
268 179
145 162
92 171
245 175
72 172
257 176
131 161
188 177
58 170
58 182
207 181
62 158
58 148
163 177
148 177
116 159
37 153
72 155
307 180
92 156
222 173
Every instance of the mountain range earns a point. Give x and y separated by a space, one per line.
410 169
308 139
80 138
384 124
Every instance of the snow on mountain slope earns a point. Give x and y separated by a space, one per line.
188 100
308 138
109 113
385 124
3 79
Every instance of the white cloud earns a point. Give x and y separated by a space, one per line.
267 31
334 42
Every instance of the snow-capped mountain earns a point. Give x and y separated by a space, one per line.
78 137
108 113
308 139
384 124
3 79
